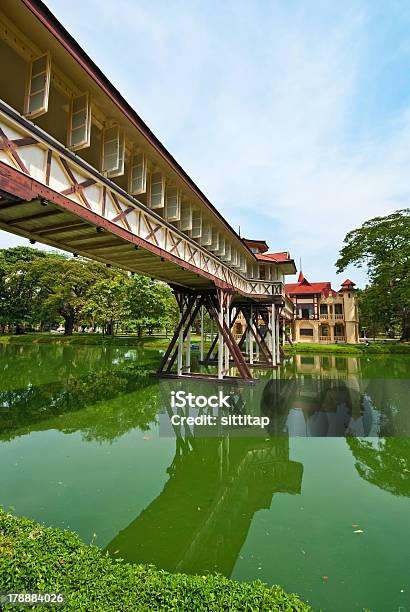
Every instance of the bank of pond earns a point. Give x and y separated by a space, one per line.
161 342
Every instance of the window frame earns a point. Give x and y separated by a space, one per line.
28 93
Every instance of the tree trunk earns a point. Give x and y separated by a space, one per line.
405 329
19 330
68 325
139 332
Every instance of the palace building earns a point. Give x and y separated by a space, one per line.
321 314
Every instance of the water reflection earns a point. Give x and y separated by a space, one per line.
320 407
384 463
201 519
103 405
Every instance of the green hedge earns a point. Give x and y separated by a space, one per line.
37 558
376 348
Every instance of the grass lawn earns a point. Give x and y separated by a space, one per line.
379 348
161 342
34 558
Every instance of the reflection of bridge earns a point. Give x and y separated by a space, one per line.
200 520
79 170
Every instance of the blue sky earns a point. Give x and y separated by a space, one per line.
292 116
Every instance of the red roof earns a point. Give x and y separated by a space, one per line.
347 282
303 286
256 244
275 257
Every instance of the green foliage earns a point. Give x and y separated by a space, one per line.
39 288
149 305
104 304
384 464
37 558
382 244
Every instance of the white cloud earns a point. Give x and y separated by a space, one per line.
267 105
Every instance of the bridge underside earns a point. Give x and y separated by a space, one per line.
34 211
47 195
73 228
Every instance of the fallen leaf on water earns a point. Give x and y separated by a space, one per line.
358 531
325 578
303 552
354 525
145 438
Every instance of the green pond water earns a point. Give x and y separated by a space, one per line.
317 501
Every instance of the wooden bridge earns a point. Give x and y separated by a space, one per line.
80 171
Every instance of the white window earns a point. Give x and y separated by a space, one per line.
228 250
206 238
138 174
221 249
38 86
243 264
157 191
172 203
196 223
186 217
79 122
215 241
121 158
112 161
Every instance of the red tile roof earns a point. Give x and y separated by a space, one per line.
303 286
275 257
347 282
257 244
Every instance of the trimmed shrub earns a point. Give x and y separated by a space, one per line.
36 558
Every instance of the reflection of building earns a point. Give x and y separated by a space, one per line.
201 519
322 314
333 366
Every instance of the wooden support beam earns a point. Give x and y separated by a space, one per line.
60 228
184 316
212 303
192 309
13 204
35 217
94 246
255 333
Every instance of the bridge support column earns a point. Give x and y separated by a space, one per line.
261 334
218 304
201 354
188 351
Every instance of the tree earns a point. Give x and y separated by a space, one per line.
105 301
149 304
58 286
16 296
383 245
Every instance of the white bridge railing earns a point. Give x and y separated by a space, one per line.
36 154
